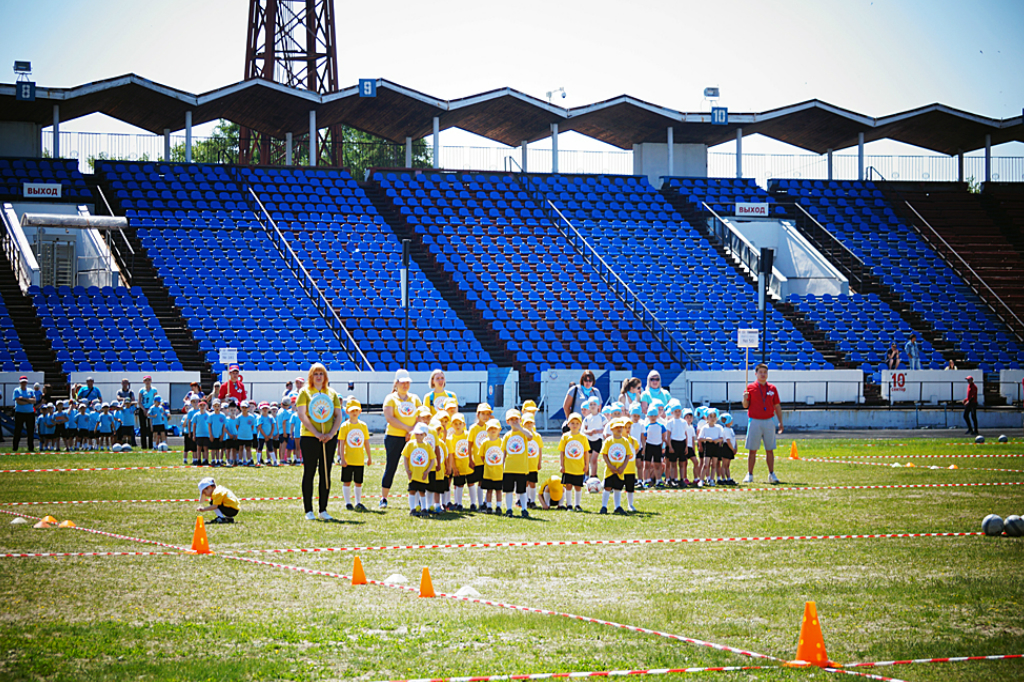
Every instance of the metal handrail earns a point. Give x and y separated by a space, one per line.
835 241
665 336
977 276
508 165
324 306
17 249
126 272
871 169
743 249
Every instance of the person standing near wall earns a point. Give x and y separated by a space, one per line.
913 352
764 408
24 414
147 398
971 407
400 408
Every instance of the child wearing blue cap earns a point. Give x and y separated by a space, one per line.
652 442
728 451
676 426
158 420
712 438
104 427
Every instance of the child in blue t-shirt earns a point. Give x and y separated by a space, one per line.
246 433
44 427
201 434
283 419
104 427
217 423
158 421
231 435
296 432
266 428
125 429
93 420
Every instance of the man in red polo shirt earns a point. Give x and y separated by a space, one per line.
971 407
761 401
233 387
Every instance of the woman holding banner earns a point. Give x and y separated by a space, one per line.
319 410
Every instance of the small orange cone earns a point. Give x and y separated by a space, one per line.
200 545
43 524
426 586
358 577
792 451
66 524
811 647
49 519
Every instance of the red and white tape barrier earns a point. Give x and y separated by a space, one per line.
952 659
24 555
575 675
869 676
105 533
1016 456
37 471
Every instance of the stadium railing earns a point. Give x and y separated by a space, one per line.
832 246
742 248
18 251
323 305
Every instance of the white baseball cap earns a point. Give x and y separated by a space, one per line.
402 375
206 483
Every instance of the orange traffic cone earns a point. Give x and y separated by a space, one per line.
67 523
49 519
792 451
358 577
426 586
200 545
811 647
43 524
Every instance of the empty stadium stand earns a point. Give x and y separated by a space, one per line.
496 247
13 357
893 254
103 330
14 172
355 258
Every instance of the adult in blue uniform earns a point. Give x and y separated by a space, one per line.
147 398
24 414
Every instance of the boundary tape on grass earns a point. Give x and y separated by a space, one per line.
662 491
598 543
26 555
1017 456
952 659
514 607
870 676
39 471
105 533
889 465
572 675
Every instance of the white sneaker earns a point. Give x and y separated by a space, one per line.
324 516
772 478
310 516
749 478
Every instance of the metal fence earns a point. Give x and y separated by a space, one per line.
87 147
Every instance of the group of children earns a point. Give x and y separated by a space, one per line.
84 425
668 442
228 433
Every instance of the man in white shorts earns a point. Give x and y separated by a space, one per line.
761 401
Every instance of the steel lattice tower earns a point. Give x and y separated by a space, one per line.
291 42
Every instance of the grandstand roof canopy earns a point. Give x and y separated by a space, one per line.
505 115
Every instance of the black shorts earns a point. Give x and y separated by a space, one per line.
216 444
711 450
203 441
490 484
573 480
514 483
438 484
229 512
58 431
725 452
531 477
613 482
159 428
690 454
678 451
460 480
652 453
595 445
476 476
190 444
352 472
417 487
124 431
102 434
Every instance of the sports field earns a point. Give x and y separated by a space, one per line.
728 571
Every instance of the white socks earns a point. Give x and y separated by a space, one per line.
412 502
618 499
629 498
359 494
347 492
579 496
524 500
509 497
458 496
604 497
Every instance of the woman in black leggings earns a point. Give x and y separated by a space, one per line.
400 412
319 441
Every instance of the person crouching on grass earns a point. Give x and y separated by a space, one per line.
618 456
222 501
355 436
418 457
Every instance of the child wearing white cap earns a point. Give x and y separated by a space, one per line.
419 462
354 437
222 501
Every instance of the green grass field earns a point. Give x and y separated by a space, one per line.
187 617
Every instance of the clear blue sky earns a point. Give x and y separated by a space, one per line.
875 57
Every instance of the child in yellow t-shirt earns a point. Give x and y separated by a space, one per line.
458 451
419 462
573 449
551 493
617 453
355 439
516 464
493 467
222 501
477 435
534 452
441 483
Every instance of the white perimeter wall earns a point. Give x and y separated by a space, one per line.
929 385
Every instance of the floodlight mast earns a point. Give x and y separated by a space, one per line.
291 42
